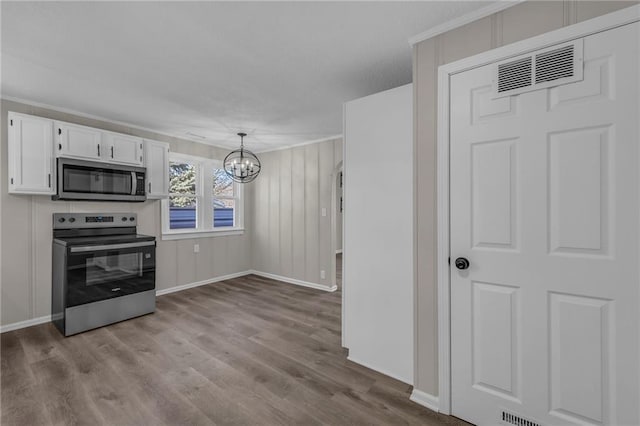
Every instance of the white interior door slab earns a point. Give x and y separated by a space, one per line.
545 206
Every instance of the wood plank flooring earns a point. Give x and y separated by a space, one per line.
248 351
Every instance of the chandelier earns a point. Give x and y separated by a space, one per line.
242 165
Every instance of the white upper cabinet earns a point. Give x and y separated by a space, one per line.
87 143
123 149
156 160
30 156
78 141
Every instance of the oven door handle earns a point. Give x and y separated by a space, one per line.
84 249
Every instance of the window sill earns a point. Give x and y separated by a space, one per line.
187 234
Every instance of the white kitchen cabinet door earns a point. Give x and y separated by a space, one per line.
78 141
156 160
30 155
122 149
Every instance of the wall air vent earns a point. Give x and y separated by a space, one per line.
515 74
553 66
511 419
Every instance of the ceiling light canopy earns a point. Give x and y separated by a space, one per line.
241 164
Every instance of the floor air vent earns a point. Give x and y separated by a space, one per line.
544 68
509 418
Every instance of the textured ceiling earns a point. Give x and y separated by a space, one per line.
278 70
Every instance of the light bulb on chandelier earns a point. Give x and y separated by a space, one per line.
242 165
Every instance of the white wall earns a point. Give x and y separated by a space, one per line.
378 246
291 238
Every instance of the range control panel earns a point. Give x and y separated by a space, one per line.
93 220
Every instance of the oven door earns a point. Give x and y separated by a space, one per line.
104 272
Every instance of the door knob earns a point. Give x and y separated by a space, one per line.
462 263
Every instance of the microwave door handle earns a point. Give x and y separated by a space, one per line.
134 183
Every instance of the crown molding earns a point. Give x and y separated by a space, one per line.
106 120
281 148
483 12
146 129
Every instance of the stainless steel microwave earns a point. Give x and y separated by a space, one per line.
90 180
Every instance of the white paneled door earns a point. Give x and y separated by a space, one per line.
545 207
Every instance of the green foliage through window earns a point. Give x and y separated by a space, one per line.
182 180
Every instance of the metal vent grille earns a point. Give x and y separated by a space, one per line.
555 64
509 418
514 75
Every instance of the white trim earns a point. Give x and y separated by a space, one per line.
426 400
183 235
443 253
379 370
582 29
106 120
200 283
295 281
24 324
339 251
204 197
47 318
496 7
296 145
343 340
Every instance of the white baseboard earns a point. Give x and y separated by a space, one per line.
295 281
379 370
339 251
199 283
25 323
426 400
47 318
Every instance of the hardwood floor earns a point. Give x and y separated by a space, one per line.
244 351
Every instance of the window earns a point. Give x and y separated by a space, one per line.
224 199
203 200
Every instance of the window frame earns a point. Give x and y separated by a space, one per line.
204 168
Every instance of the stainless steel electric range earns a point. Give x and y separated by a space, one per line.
103 270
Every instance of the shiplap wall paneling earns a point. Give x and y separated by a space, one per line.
286 214
295 239
298 173
311 214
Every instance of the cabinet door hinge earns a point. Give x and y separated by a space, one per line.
49 180
449 261
59 131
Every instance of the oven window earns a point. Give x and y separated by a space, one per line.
109 268
101 275
92 180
